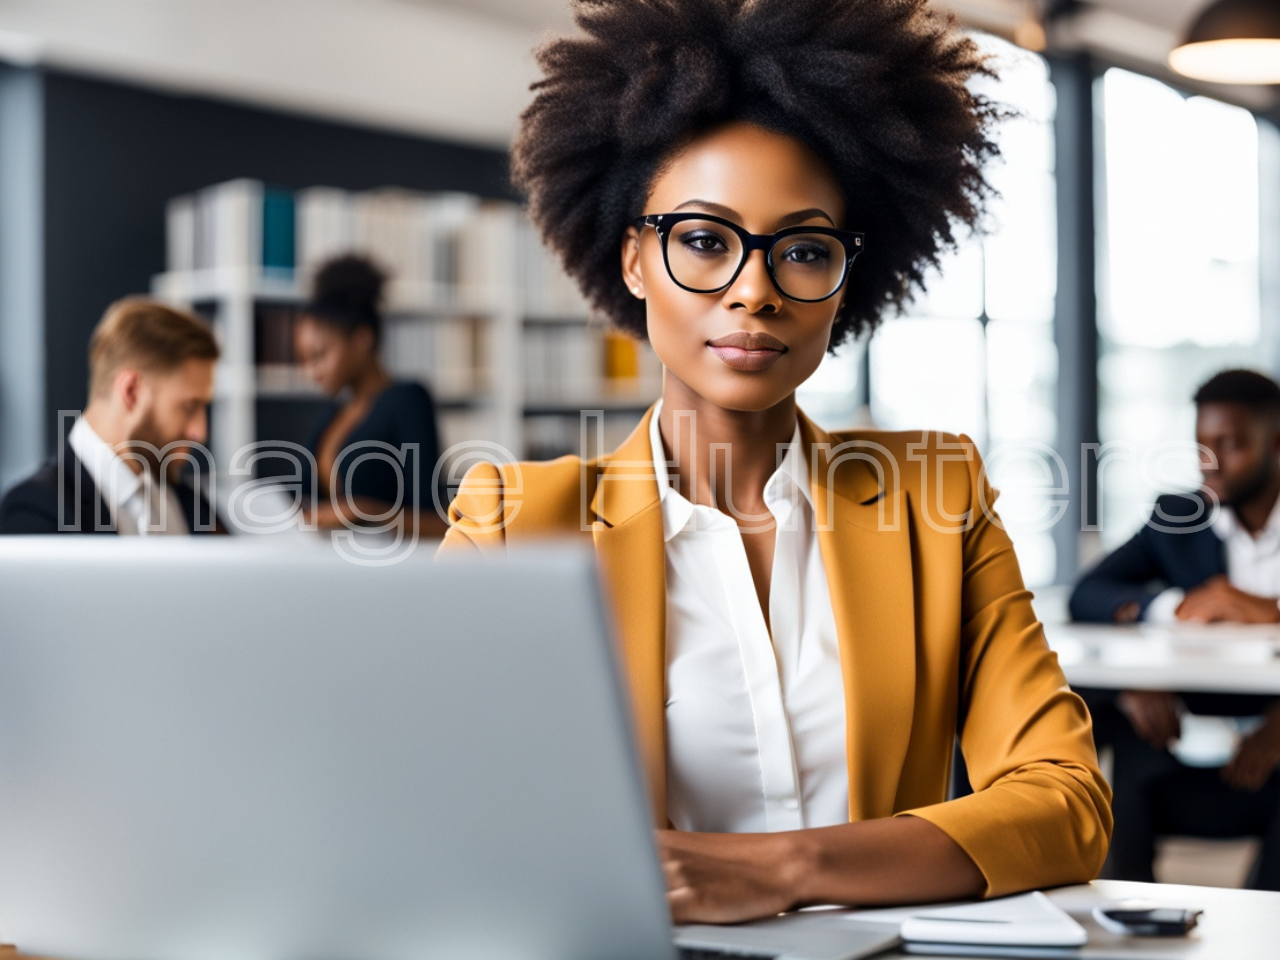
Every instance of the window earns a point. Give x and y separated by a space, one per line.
975 353
1179 290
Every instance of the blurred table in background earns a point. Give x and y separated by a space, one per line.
1210 658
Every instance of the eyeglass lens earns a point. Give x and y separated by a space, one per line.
704 255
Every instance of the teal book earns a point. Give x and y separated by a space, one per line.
278 243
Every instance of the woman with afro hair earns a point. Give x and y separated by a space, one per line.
336 339
807 620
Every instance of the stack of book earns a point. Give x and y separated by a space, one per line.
547 436
231 225
547 291
575 364
476 307
563 363
416 237
448 353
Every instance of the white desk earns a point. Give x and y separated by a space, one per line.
1236 925
1218 658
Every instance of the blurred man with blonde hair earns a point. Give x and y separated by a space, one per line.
119 471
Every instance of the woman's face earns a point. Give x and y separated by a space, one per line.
330 356
762 181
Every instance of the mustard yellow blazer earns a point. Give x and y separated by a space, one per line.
935 628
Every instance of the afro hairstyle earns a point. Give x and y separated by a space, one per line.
878 89
346 293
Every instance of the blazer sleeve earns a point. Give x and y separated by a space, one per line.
1124 576
1040 815
478 514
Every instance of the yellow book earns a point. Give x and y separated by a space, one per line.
621 356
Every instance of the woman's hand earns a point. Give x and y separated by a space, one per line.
732 877
729 877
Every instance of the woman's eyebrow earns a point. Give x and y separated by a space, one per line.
800 216
728 213
710 206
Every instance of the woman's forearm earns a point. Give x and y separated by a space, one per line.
894 860
730 877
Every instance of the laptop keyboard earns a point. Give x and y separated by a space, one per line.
705 953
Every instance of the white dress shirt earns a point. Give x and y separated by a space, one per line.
755 724
137 504
1253 562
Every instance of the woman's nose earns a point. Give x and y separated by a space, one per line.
753 290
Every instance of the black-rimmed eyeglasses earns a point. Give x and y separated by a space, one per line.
705 254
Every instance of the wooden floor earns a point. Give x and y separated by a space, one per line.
1209 863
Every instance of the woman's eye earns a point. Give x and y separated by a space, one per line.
703 241
807 253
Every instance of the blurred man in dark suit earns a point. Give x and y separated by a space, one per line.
119 471
1212 555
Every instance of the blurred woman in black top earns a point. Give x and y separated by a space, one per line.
336 340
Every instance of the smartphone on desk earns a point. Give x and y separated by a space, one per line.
1146 919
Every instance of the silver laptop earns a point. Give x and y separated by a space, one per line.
234 751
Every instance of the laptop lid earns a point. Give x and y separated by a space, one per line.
244 752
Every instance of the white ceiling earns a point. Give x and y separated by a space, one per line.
454 68
1134 33
533 14
1173 14
421 68
541 14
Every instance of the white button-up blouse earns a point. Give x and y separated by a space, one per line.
755 722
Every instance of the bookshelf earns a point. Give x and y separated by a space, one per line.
477 309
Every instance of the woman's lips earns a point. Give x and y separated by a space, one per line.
748 352
747 360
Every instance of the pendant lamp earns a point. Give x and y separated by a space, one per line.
1232 41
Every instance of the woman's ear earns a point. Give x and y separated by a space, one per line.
631 273
365 340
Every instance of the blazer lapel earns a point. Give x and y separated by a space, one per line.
865 541
627 532
1213 551
81 505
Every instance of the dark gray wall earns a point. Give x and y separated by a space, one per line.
114 154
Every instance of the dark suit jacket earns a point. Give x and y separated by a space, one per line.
1177 548
50 501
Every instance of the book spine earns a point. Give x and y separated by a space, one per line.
180 234
278 230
